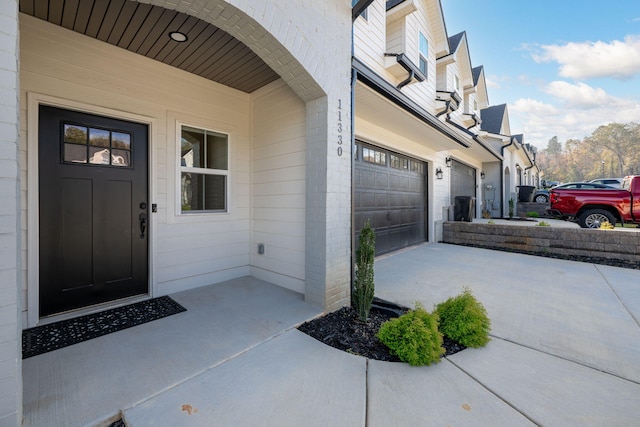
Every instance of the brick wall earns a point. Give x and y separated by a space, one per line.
10 324
614 244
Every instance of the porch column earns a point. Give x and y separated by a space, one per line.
328 200
10 312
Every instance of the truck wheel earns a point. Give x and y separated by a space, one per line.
592 218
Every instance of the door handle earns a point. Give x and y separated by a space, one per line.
142 218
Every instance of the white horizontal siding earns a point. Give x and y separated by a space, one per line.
190 250
396 36
424 93
369 36
278 190
374 37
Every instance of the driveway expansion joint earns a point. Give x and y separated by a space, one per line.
496 394
602 371
616 294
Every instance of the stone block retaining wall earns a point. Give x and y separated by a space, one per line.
614 244
523 208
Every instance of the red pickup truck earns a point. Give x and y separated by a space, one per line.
591 207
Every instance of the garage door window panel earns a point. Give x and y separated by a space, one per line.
371 155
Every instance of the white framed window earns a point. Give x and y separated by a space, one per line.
204 170
424 53
457 83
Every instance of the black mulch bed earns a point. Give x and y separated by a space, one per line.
589 259
342 330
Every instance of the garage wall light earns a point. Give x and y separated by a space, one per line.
439 173
449 161
482 175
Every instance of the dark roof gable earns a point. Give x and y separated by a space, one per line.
492 118
477 72
455 40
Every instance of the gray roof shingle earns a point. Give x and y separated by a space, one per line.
492 118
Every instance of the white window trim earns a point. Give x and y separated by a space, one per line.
179 169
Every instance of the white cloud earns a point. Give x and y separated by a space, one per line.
618 59
578 95
540 121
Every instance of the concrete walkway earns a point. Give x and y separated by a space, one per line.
565 351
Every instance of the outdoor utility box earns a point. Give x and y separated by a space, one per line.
525 193
463 208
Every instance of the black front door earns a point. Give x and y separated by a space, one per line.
93 190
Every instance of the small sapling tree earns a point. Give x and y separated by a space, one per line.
363 288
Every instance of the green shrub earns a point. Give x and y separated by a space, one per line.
413 337
533 214
363 288
464 319
543 224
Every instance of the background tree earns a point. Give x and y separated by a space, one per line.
614 141
582 160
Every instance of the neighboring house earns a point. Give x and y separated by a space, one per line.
417 116
517 168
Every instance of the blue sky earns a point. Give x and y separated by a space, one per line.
563 67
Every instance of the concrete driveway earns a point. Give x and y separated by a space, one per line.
565 346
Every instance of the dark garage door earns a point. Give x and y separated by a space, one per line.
390 192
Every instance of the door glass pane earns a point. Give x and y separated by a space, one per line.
121 140
74 153
99 137
76 134
105 147
99 156
120 157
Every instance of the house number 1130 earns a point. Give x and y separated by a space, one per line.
339 129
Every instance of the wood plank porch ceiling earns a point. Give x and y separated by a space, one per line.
144 29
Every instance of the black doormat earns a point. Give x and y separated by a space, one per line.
54 336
